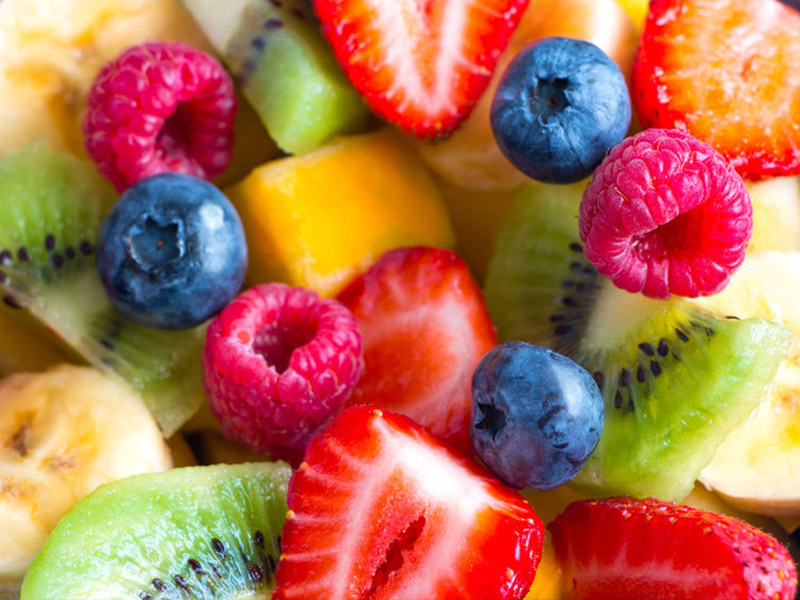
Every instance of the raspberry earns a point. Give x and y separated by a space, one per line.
666 214
279 363
160 108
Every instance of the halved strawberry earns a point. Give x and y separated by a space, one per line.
421 65
727 72
626 549
425 328
381 509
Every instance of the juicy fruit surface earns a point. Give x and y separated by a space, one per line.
380 508
536 415
63 433
776 214
53 203
675 380
422 69
666 214
608 552
756 467
471 158
321 219
425 328
289 74
279 362
744 52
172 252
160 108
561 105
168 535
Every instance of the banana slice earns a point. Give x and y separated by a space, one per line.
63 433
757 468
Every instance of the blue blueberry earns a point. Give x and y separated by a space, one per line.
561 105
172 252
536 415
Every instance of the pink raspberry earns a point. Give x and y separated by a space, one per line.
666 214
279 363
160 108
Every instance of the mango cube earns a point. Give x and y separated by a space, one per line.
320 219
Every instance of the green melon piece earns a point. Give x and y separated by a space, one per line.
196 532
675 380
286 69
52 206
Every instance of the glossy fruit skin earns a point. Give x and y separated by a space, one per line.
561 105
631 549
536 415
172 252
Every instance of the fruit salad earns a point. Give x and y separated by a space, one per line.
390 300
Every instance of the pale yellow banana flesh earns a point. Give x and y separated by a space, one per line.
757 468
63 433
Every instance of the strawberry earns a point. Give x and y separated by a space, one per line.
626 549
425 328
725 71
420 65
382 509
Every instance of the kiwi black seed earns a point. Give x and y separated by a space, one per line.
195 532
675 379
52 207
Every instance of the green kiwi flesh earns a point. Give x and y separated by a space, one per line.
195 532
289 74
675 380
52 206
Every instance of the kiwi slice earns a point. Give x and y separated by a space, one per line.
289 74
195 532
52 206
676 380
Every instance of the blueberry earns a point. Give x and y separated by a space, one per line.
561 105
172 252
536 415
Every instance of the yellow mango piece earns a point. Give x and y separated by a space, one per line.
320 219
637 11
547 585
25 348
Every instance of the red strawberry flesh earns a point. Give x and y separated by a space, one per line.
381 509
727 72
420 65
627 549
425 328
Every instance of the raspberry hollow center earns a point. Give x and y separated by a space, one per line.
277 341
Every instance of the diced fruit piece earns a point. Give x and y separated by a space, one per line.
776 214
182 453
425 328
172 251
637 11
547 583
63 433
196 532
380 508
666 214
471 158
421 69
561 105
536 415
278 363
159 108
285 69
757 467
675 379
747 106
52 207
625 549
321 219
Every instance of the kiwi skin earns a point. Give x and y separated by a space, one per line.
675 380
195 532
